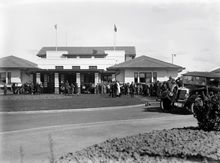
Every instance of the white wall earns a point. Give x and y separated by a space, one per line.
15 76
129 76
18 76
118 56
162 75
54 59
55 54
121 76
26 77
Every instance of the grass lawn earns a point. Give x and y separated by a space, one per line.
54 102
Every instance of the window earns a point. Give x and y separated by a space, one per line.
154 76
189 78
93 67
71 56
142 77
3 76
107 78
200 80
59 67
9 77
85 56
148 77
136 77
145 77
76 67
99 56
194 80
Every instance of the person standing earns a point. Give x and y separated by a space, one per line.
5 89
158 90
77 89
118 89
132 89
13 88
72 88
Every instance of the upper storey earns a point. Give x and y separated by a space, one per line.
102 57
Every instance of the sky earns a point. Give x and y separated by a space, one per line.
157 28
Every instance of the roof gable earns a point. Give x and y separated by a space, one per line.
197 73
15 62
216 70
146 62
129 50
202 74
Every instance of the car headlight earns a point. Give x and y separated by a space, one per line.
170 93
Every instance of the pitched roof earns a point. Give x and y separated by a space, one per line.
145 62
216 70
202 74
15 62
129 50
197 73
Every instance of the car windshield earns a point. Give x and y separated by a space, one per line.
181 94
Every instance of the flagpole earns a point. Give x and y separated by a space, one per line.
115 32
114 43
66 39
55 26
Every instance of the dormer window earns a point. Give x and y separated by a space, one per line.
76 67
93 67
85 56
59 67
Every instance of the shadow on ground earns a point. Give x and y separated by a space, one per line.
172 111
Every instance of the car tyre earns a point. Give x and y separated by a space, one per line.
165 104
192 108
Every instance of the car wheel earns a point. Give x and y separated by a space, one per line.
192 108
165 104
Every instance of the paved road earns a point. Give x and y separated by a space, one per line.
73 131
12 122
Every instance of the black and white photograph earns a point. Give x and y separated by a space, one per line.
109 81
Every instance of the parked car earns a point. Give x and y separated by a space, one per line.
181 98
184 97
167 98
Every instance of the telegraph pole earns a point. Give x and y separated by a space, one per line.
55 26
173 55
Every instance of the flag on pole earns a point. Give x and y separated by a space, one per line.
115 28
55 26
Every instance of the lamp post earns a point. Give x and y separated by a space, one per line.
173 55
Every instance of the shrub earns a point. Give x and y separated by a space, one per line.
183 144
207 111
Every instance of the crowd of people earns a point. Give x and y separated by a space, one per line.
116 89
26 88
113 88
66 88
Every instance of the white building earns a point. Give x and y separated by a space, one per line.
145 69
81 65
16 70
88 66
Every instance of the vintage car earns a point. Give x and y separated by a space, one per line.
181 99
167 98
194 84
184 97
